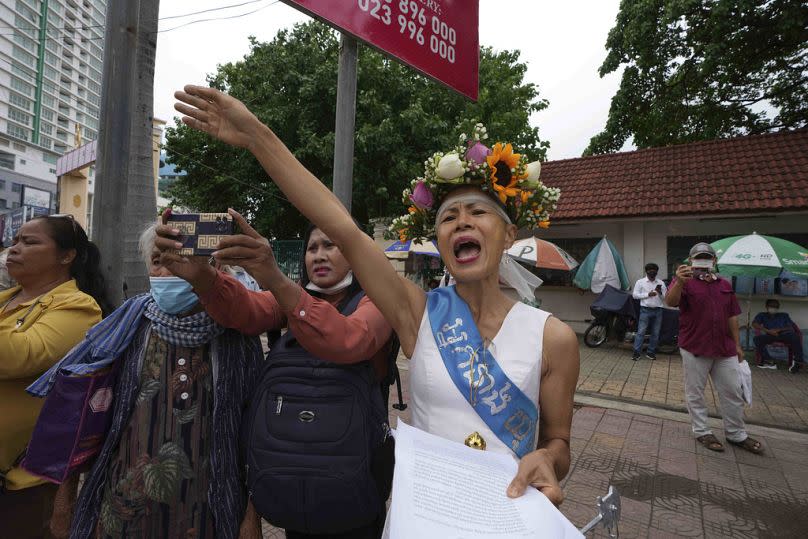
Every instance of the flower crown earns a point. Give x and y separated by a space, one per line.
500 172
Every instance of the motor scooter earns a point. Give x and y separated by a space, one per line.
616 314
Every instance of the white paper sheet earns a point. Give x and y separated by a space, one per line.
445 490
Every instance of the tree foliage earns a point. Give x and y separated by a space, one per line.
401 118
704 69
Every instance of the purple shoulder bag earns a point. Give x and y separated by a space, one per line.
72 425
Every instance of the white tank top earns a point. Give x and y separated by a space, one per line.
439 408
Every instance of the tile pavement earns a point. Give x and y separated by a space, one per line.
780 399
670 486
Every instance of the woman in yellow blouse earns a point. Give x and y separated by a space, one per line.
56 301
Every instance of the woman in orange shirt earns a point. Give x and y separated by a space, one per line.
310 309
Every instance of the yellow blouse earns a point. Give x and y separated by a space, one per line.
33 337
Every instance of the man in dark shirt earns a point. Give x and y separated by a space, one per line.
709 340
775 326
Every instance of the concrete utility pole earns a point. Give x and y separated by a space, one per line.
346 121
124 189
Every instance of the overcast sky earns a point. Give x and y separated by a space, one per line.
562 43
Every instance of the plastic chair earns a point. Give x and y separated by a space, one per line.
759 359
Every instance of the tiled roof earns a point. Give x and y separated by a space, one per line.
757 173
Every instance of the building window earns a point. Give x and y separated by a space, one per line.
23 162
19 116
3 203
49 158
23 72
2 184
15 205
7 161
16 187
52 170
21 86
20 101
23 56
17 131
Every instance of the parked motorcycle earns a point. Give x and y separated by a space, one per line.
616 314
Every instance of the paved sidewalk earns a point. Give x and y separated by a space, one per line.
779 399
673 487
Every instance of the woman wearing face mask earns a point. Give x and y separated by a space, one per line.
472 199
55 303
170 464
310 310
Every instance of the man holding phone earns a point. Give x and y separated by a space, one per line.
650 291
710 344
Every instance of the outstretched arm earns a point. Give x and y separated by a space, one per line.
227 119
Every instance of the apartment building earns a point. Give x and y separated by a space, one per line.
51 54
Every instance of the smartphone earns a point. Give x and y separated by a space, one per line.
698 273
200 232
659 288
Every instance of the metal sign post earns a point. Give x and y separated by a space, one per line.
346 121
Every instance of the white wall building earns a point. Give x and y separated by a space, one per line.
655 204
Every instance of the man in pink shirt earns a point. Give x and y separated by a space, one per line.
709 340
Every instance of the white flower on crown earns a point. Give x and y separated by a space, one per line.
450 166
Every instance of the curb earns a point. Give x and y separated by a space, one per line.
673 414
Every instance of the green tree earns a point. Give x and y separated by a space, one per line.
705 69
401 118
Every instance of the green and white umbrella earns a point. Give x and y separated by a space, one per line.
756 255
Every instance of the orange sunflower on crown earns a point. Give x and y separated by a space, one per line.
506 175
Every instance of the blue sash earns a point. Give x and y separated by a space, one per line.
507 411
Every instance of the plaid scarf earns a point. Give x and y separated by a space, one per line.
188 332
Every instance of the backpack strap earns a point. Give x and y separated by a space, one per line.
351 306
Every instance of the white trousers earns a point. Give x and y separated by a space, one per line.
724 373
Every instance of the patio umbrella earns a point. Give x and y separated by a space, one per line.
542 254
400 250
603 265
756 255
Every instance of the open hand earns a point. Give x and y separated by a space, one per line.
536 469
217 114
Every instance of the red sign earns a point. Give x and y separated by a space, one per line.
437 37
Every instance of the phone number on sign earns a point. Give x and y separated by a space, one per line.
412 19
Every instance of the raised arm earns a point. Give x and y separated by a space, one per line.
227 119
674 296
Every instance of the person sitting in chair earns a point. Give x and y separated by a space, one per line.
775 326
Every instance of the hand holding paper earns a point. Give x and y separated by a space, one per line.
447 490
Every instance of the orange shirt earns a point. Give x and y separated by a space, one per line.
316 323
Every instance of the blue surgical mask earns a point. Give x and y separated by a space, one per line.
172 294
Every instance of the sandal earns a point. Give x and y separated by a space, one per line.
711 442
749 444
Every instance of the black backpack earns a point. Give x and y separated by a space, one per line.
315 435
